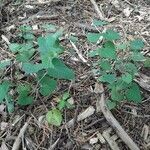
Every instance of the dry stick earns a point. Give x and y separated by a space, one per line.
17 142
42 2
115 124
83 115
78 53
97 9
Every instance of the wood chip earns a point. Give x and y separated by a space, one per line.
93 141
101 138
85 114
145 132
112 143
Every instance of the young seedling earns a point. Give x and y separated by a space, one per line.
39 60
117 66
54 116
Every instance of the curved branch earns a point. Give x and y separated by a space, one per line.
115 124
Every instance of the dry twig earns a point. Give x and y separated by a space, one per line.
78 53
100 14
17 142
41 2
115 124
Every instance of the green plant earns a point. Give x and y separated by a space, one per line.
54 116
38 62
117 66
64 102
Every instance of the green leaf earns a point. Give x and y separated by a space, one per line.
133 94
127 78
109 78
4 88
49 27
14 47
23 89
23 101
43 44
99 22
136 44
119 65
24 98
111 104
122 46
28 36
61 104
105 65
131 68
63 101
93 37
9 103
120 85
25 56
47 85
25 28
111 35
116 95
50 44
26 47
108 50
147 62
93 53
47 60
4 63
137 57
60 70
73 38
66 95
31 68
54 117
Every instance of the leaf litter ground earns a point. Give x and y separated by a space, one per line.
131 18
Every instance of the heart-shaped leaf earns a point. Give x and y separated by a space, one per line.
99 22
127 78
54 117
4 88
136 44
93 37
111 35
108 50
134 94
60 70
47 85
